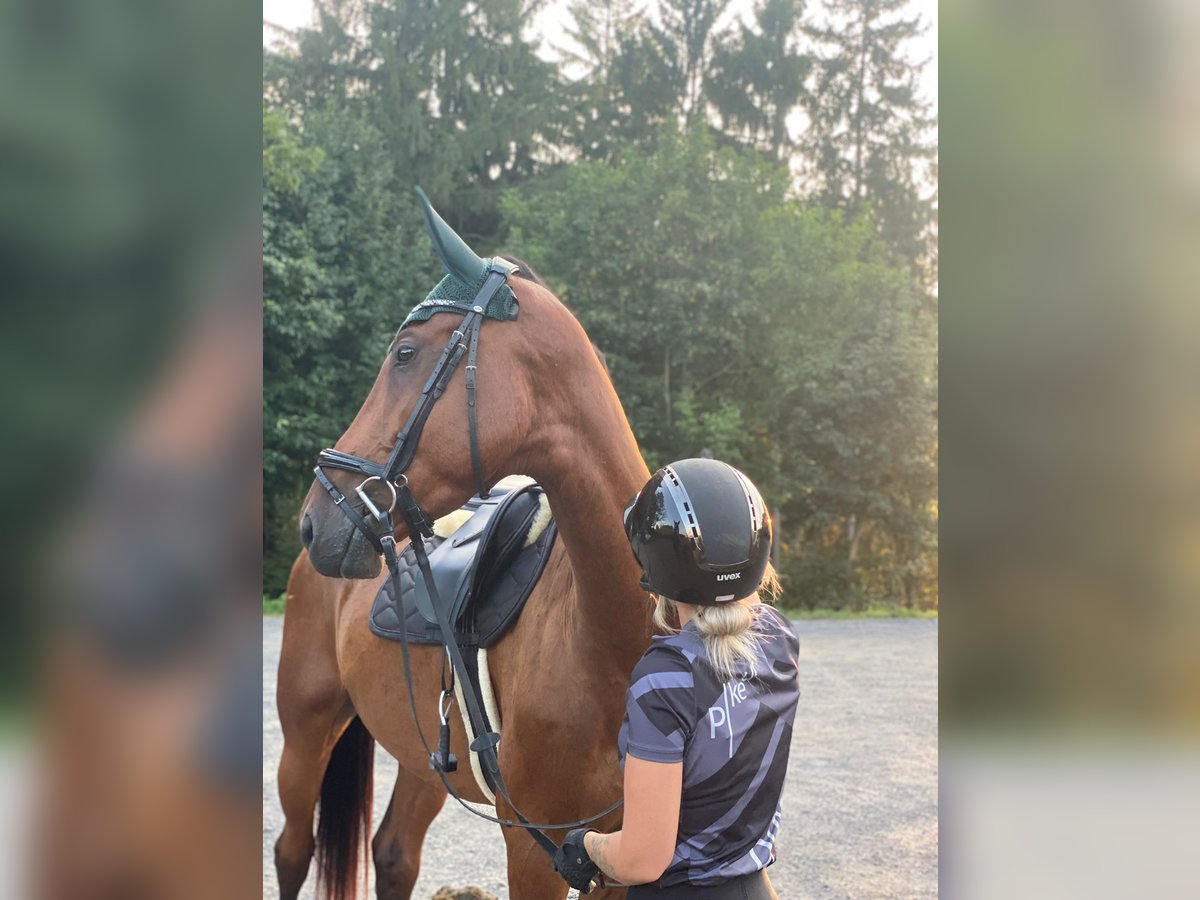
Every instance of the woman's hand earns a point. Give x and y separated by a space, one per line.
573 863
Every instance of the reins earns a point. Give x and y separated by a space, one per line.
463 341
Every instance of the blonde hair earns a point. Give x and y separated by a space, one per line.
729 632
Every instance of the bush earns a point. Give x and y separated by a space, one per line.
821 582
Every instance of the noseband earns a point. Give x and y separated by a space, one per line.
379 531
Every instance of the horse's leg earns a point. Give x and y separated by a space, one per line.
397 844
313 710
529 871
301 769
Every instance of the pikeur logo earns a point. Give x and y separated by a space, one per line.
719 716
730 576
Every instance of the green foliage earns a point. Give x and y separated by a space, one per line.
609 104
333 220
758 77
378 97
821 580
774 335
459 98
786 334
867 142
274 606
875 611
685 37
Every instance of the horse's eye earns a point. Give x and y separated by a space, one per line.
405 353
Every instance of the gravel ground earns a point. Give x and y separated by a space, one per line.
861 802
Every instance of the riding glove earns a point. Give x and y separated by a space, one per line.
573 863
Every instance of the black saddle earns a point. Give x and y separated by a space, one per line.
483 571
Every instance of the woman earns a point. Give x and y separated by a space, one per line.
710 706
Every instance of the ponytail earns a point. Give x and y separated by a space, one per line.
729 632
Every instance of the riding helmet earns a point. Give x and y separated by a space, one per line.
701 532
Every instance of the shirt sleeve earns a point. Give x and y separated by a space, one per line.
660 706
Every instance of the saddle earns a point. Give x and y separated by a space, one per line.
485 570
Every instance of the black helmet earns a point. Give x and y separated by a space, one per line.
701 532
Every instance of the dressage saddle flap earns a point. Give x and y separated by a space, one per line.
505 535
495 531
484 571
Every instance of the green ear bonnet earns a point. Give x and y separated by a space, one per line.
465 274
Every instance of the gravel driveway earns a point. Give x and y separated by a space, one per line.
861 802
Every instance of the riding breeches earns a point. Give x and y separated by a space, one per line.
747 887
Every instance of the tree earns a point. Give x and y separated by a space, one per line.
458 92
867 139
769 331
610 106
378 96
780 333
599 30
647 91
757 78
664 294
685 38
855 409
335 282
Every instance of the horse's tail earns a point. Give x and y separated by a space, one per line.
344 823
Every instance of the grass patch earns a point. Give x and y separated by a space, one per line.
273 606
891 611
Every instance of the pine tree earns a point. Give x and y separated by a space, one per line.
686 38
604 35
757 77
455 86
649 87
598 29
867 140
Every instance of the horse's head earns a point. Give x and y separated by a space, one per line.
512 364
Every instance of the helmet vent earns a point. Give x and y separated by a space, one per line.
691 517
751 493
693 525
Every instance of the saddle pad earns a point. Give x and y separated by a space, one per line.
491 609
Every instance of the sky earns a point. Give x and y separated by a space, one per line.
552 22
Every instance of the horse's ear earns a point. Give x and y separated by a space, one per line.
457 258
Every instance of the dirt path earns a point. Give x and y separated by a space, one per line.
861 803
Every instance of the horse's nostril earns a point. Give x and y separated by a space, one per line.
306 531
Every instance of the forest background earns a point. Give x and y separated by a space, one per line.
739 206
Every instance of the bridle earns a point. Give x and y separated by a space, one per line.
379 532
391 474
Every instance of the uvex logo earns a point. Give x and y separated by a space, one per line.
730 576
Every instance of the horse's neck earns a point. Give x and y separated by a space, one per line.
589 485
609 604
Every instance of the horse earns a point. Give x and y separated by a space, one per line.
547 408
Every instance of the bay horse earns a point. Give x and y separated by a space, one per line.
547 409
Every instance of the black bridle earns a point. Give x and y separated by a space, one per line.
379 532
391 474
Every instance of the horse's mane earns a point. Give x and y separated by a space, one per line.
526 271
